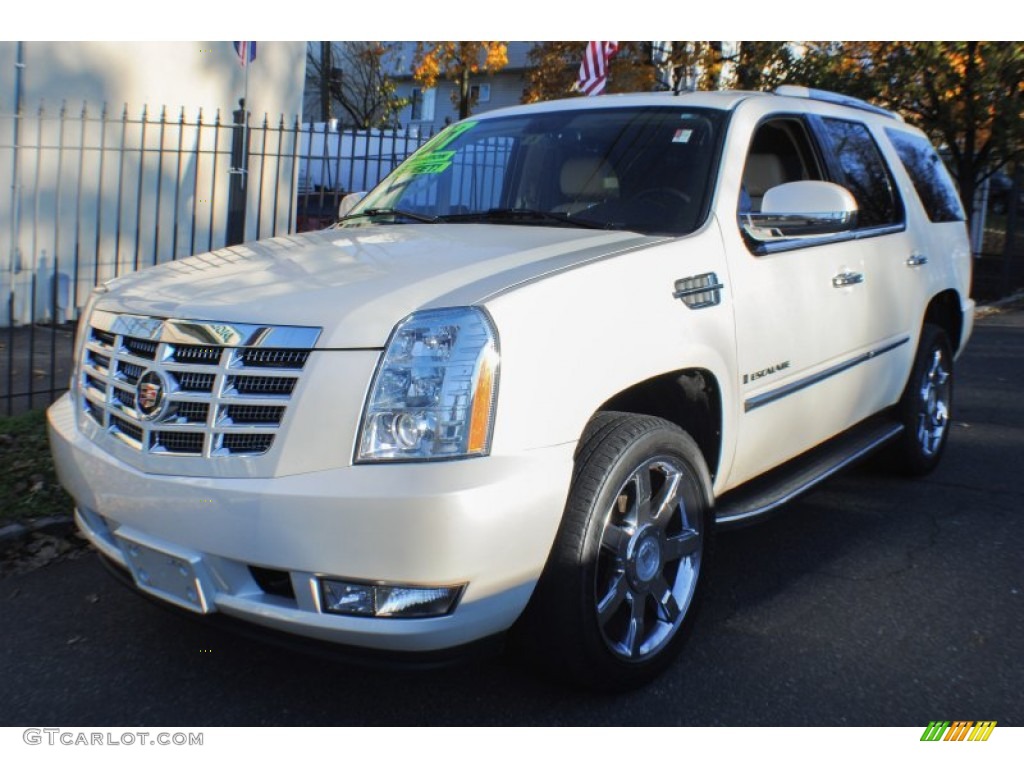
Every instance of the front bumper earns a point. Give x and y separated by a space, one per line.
488 523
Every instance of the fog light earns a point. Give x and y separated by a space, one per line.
355 599
387 600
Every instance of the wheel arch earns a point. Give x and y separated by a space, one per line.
690 398
944 311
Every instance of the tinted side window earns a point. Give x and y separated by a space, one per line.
864 173
929 175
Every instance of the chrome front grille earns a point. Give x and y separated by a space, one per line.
188 388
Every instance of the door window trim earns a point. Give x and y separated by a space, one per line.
829 170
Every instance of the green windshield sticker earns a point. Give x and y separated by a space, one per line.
448 135
430 158
429 162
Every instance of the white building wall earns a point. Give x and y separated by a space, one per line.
94 214
194 74
506 91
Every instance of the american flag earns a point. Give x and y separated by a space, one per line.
594 69
246 50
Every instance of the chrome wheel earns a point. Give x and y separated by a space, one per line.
934 397
619 594
926 406
649 559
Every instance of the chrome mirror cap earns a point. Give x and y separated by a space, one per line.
348 202
801 209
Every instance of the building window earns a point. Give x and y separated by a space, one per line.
480 94
423 104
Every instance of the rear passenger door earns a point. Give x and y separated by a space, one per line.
885 243
817 326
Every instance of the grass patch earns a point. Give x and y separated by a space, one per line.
28 482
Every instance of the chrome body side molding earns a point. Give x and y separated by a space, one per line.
795 386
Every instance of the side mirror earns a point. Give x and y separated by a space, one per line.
801 209
348 202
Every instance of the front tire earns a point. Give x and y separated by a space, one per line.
617 600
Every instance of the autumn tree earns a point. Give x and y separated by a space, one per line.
631 69
762 65
687 65
711 65
554 69
458 62
355 75
967 96
679 64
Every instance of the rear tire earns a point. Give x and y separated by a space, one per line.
926 406
618 597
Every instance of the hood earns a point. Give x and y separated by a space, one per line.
357 283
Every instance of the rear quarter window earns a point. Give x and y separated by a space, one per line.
931 180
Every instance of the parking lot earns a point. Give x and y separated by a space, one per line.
872 601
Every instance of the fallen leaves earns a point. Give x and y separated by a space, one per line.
38 550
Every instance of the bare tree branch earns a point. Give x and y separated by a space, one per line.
358 80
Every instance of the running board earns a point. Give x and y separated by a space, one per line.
781 485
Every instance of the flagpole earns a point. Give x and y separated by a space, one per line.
245 118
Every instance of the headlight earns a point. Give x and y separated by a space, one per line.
433 396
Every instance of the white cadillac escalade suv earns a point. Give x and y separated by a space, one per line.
519 384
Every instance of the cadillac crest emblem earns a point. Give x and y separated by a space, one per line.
149 395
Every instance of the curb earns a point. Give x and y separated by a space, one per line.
14 534
1000 304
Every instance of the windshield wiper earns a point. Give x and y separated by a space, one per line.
524 215
397 212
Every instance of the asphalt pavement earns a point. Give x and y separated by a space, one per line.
874 600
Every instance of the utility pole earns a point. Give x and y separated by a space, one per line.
326 69
19 68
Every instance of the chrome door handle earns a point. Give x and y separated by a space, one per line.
844 279
916 260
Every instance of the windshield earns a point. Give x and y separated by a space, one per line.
645 169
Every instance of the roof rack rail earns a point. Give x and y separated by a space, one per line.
803 92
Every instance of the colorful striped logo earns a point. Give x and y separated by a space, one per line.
959 730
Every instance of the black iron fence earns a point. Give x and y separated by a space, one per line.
999 266
88 195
